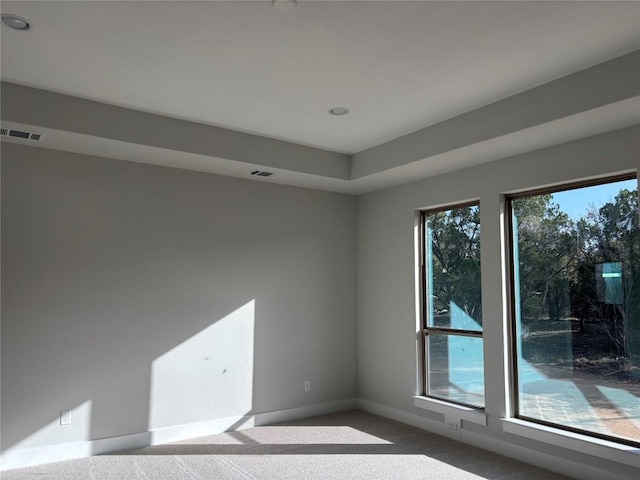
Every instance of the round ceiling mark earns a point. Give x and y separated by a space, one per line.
338 111
14 21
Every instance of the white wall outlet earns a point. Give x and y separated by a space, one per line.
65 417
307 385
452 427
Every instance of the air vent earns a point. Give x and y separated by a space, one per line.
14 133
263 174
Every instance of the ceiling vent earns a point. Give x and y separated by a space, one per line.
14 133
263 174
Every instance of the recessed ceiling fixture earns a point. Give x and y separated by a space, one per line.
15 22
338 111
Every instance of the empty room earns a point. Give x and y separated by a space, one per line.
320 239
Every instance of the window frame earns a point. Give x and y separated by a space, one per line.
425 301
514 386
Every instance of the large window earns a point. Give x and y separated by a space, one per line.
451 305
576 308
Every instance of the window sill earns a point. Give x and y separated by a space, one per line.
468 414
617 452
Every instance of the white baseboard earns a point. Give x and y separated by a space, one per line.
120 443
539 459
527 455
28 457
402 416
291 414
199 429
212 427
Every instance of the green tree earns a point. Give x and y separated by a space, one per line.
611 234
547 249
455 246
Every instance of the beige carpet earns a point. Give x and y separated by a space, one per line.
349 445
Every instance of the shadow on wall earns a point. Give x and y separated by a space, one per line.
142 298
208 376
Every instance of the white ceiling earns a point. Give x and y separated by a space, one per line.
274 69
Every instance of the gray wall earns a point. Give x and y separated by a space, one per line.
387 314
143 297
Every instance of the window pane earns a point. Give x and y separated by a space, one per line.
452 260
577 295
456 368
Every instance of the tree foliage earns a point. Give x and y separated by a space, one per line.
558 260
455 244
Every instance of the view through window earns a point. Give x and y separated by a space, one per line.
452 306
576 297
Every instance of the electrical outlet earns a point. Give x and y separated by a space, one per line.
307 385
65 417
452 427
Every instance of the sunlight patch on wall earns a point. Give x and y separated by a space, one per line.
209 376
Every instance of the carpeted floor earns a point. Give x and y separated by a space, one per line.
348 445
